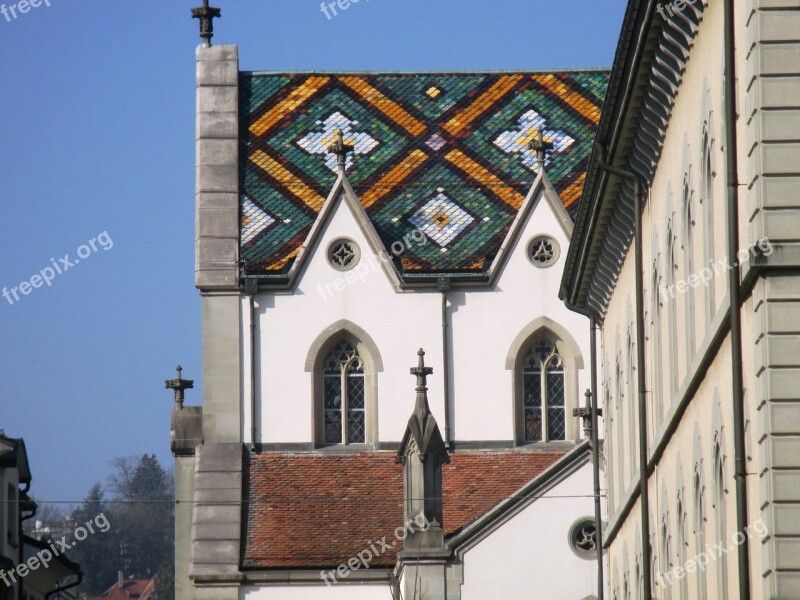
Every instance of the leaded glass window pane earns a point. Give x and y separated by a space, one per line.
344 395
532 390
543 389
356 430
556 413
333 407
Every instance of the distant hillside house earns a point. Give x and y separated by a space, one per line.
128 589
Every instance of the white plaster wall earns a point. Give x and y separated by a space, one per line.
529 556
484 324
316 592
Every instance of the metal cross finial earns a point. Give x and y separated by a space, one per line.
206 14
179 385
540 147
340 148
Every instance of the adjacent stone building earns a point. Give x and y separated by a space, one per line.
703 115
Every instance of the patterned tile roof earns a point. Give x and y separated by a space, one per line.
318 510
442 152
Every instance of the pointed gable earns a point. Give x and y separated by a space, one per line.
446 154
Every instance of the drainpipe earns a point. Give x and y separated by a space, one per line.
250 288
734 291
598 519
640 364
444 287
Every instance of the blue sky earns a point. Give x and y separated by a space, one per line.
97 135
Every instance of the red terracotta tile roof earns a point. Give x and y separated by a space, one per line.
318 510
132 589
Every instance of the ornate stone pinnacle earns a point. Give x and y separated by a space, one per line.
421 371
540 147
206 14
421 409
179 385
340 148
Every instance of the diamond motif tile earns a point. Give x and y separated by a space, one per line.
319 141
436 143
255 220
517 141
441 220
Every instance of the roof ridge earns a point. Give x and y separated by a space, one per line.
425 72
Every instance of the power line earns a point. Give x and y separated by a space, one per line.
355 497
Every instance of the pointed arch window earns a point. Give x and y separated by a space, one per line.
720 521
544 391
657 296
672 315
707 200
632 408
688 266
699 532
681 543
608 444
665 558
344 395
657 384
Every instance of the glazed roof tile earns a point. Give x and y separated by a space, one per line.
445 153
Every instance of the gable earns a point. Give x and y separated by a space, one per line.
342 217
443 153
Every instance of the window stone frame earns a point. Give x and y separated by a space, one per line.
373 364
572 358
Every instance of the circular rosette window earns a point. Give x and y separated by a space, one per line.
543 251
343 254
583 538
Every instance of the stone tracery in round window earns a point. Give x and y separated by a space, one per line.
543 251
343 254
583 538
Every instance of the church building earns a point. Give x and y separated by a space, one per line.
389 376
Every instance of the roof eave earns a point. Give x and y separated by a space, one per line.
633 42
632 132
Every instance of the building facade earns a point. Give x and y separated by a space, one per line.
703 116
345 221
29 569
